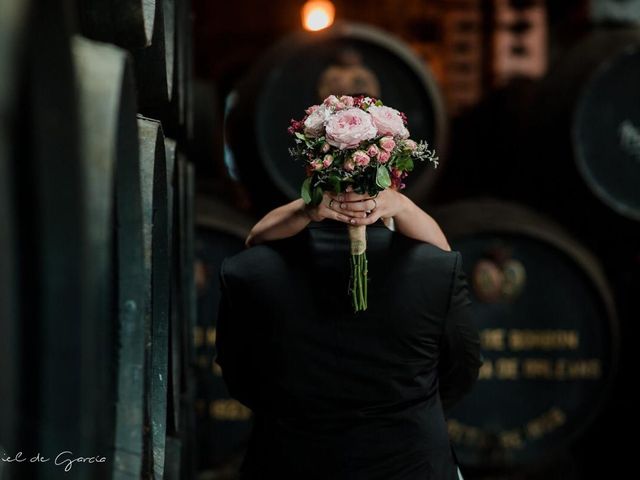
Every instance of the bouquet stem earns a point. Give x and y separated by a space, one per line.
358 283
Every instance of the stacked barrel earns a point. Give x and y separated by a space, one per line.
96 240
553 258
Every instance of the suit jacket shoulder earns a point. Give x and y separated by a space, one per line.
267 255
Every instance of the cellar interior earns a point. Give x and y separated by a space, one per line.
141 140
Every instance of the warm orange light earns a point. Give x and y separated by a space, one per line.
318 15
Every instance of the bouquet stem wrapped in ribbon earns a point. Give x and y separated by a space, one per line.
360 143
359 278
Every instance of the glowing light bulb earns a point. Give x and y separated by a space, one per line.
317 15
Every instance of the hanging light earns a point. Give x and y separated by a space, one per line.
317 15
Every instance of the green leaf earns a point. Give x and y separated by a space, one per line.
317 195
383 179
305 191
301 136
404 163
334 181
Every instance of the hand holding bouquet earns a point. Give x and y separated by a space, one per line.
356 142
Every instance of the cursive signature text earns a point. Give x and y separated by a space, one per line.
64 459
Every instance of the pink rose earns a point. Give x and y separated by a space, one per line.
328 160
410 145
311 109
373 150
361 158
347 128
317 164
387 143
388 121
315 122
330 101
346 100
396 178
348 165
383 156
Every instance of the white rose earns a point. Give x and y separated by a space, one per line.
315 123
388 121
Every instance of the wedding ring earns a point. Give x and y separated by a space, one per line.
330 202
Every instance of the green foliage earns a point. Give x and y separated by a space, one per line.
370 179
403 162
383 180
334 183
317 195
305 191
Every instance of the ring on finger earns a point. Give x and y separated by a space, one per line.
330 203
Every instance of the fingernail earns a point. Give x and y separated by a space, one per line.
353 220
342 205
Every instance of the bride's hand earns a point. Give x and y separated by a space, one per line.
329 208
364 209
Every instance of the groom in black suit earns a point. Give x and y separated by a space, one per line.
342 395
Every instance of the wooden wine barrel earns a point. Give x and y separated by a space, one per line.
184 171
185 44
156 254
158 33
175 351
61 331
128 23
549 333
8 317
174 440
155 63
288 79
184 177
180 429
73 133
112 177
50 228
223 423
13 20
164 71
8 312
177 118
587 127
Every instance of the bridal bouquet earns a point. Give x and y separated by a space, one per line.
355 141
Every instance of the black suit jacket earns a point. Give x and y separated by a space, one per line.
343 395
